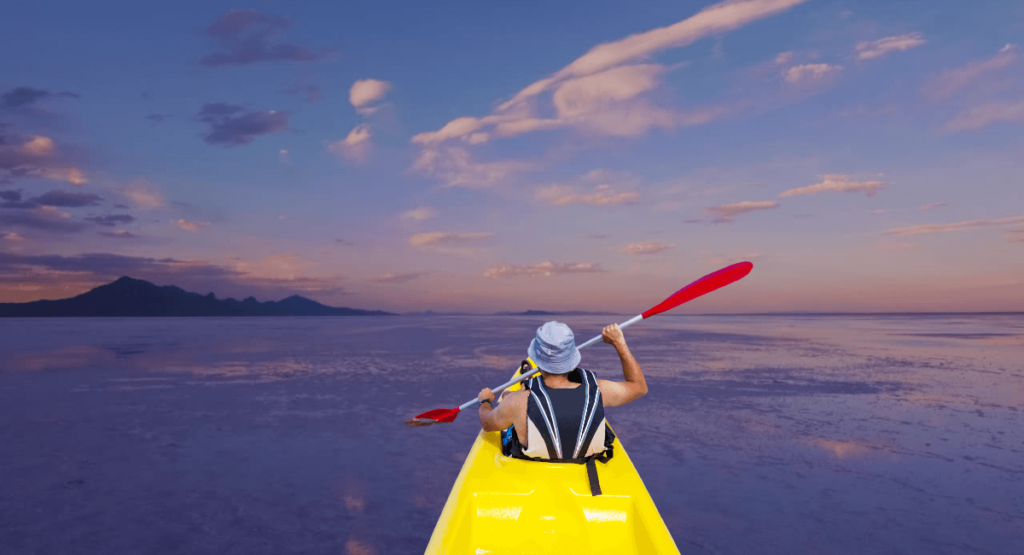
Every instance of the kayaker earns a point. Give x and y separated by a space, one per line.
559 415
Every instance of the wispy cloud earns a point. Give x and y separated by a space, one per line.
42 218
987 114
398 278
602 195
189 225
951 81
932 206
26 96
355 146
811 73
144 194
35 156
449 241
542 269
925 229
111 220
837 183
419 214
67 199
119 234
249 37
647 247
727 212
602 92
12 236
868 50
233 125
455 167
365 92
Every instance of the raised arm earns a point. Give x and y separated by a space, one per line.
635 386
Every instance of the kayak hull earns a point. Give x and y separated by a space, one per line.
503 505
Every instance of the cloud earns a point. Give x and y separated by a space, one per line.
119 233
434 239
926 229
868 50
190 226
398 278
987 114
344 242
10 195
111 220
932 205
67 199
600 92
45 218
22 96
356 146
783 58
716 19
35 157
365 92
727 212
542 269
39 146
158 118
11 236
810 72
419 214
250 37
951 81
455 167
602 195
144 194
648 247
233 125
25 96
836 183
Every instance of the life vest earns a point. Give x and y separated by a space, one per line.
563 425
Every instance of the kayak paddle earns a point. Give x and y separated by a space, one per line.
704 285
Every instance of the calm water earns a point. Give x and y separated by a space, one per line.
839 435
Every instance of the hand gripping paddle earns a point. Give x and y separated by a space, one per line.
702 286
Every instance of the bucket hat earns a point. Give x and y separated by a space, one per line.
554 349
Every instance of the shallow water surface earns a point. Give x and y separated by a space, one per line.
760 434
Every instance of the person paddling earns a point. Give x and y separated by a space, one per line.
559 415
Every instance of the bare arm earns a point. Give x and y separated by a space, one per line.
493 419
619 393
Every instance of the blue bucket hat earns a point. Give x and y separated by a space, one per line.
554 349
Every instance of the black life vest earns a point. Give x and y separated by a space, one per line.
566 421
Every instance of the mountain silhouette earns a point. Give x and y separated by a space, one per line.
136 297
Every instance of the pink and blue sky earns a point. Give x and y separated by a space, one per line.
480 156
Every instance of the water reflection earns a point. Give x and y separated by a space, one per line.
255 432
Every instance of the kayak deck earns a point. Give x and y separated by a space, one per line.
502 505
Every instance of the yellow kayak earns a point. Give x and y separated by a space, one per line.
503 505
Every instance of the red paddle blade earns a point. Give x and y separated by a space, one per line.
706 284
431 417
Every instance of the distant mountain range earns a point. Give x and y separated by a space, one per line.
136 297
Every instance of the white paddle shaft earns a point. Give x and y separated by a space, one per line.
530 374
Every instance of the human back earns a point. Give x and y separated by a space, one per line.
559 414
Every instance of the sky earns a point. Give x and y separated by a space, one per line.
477 156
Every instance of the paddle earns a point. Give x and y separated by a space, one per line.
702 286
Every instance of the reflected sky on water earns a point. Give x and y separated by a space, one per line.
767 434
